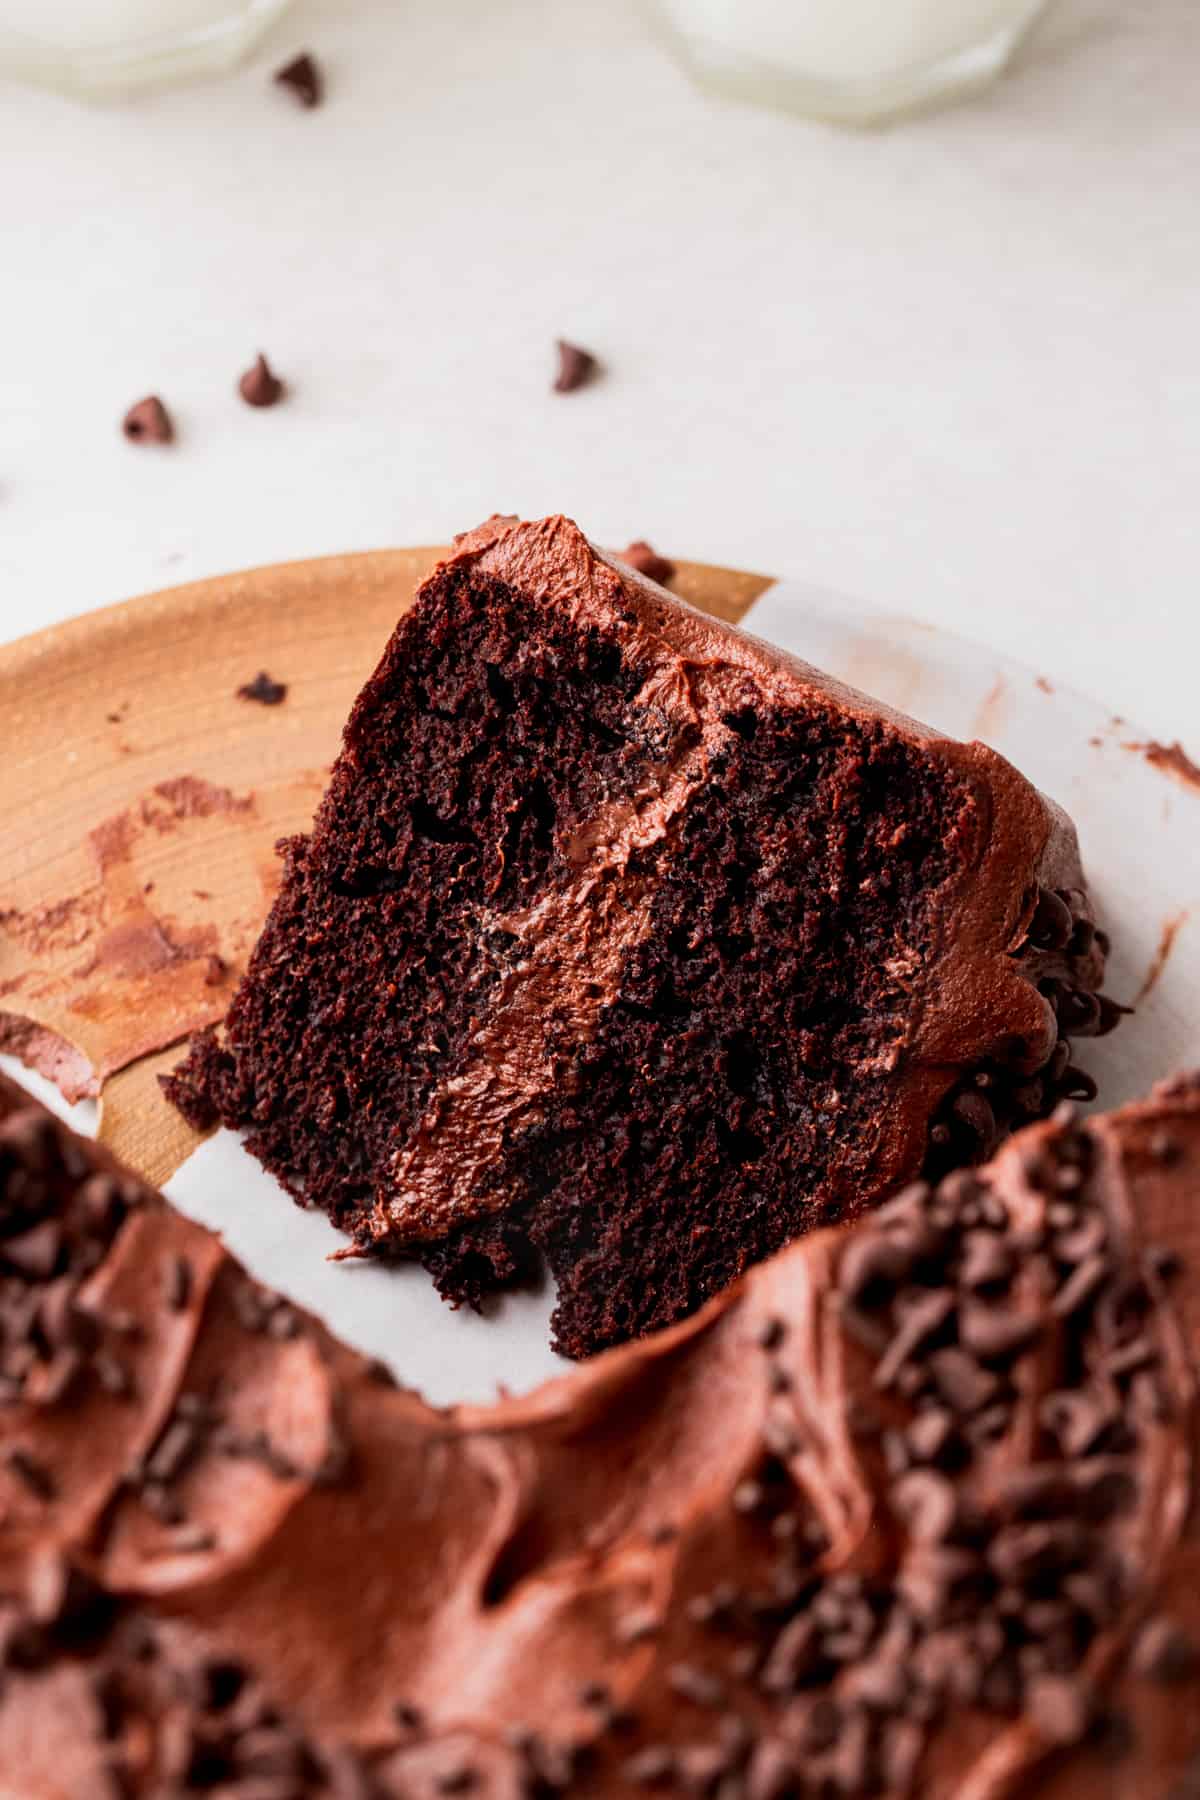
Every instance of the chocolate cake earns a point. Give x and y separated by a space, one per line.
626 940
907 1511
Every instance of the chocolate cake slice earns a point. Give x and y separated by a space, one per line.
909 1511
625 939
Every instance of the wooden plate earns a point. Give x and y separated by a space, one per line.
141 802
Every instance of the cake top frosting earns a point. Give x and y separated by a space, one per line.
908 1510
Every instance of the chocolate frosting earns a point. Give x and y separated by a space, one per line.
909 1509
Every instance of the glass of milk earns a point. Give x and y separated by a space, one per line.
99 47
856 61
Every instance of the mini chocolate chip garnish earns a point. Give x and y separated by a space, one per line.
179 1283
379 1373
770 1333
575 367
460 1778
1061 1707
35 1253
112 1375
264 690
696 1685
33 1474
648 562
407 1716
651 1766
637 1626
748 1496
148 422
1164 1652
302 78
1164 1148
193 1540
260 386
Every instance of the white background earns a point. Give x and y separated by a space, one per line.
951 369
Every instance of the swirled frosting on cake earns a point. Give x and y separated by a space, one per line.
906 1511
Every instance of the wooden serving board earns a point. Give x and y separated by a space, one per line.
141 801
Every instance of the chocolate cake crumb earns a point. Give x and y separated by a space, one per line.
148 422
302 78
263 689
576 367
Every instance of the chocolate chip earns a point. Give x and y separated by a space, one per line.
1081 1286
695 1684
1060 1707
176 1447
264 690
963 1385
1052 923
148 422
260 386
650 1767
747 1497
773 1773
636 1626
112 1375
575 367
779 1436
871 1266
987 1261
1164 1652
921 1320
927 1504
64 1323
302 78
35 1253
30 1472
769 1333
648 562
793 1656
179 1283
994 1333
1164 1149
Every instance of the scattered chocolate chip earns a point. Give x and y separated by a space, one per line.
263 689
175 1448
575 367
302 78
112 1375
648 562
35 1253
148 422
962 1383
260 386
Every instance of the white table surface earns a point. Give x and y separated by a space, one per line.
952 369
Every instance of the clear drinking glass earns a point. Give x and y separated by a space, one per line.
105 47
854 61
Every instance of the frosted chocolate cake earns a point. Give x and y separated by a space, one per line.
627 941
